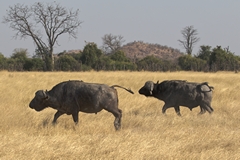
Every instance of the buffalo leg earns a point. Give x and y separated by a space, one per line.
206 107
118 115
56 116
120 119
165 107
209 109
177 110
202 110
75 117
117 121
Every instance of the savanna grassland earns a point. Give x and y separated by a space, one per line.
146 133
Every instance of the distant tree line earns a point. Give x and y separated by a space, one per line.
93 58
210 60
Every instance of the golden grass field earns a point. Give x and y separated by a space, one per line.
146 133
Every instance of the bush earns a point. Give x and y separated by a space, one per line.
67 63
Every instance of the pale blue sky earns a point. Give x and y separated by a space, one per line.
152 21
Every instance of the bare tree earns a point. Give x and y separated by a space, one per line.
189 38
112 43
40 21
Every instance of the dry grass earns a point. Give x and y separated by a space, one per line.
145 134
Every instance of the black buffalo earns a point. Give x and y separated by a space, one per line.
72 97
177 93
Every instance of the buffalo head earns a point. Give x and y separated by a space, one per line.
147 89
39 101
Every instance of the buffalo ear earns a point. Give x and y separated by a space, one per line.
149 85
40 94
46 95
151 88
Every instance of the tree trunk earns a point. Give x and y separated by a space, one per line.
52 62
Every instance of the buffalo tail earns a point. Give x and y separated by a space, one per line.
129 90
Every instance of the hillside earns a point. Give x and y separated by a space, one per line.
139 50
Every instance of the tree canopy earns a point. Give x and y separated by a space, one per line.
112 43
189 38
40 21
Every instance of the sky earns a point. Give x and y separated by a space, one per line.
152 21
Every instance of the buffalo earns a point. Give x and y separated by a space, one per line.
177 93
72 97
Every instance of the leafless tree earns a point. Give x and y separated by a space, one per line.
44 23
112 43
189 38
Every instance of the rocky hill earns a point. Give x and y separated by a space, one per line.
139 50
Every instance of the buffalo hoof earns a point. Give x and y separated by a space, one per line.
117 127
179 114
